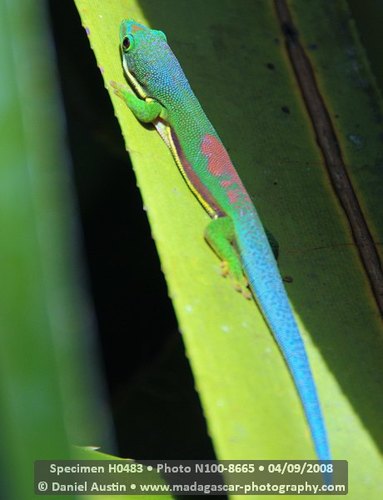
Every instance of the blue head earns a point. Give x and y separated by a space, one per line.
150 65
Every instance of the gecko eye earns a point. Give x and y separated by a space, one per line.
127 43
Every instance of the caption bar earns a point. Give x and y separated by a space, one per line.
187 477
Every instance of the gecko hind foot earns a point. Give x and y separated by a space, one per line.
238 280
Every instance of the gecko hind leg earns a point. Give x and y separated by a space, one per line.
220 235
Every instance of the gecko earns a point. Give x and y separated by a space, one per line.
159 93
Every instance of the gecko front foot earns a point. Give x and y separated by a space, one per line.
145 110
120 90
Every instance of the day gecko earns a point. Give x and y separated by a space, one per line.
162 96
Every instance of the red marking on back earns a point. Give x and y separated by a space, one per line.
219 162
136 27
219 165
225 183
233 195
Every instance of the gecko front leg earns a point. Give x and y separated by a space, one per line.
146 111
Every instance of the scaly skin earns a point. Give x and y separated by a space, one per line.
164 97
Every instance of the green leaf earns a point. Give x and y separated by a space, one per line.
90 454
46 397
234 56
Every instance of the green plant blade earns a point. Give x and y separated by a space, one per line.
89 454
236 62
45 401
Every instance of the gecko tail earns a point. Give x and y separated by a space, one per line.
266 284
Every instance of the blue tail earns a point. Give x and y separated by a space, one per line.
266 284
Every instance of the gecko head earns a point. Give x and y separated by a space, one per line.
142 51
